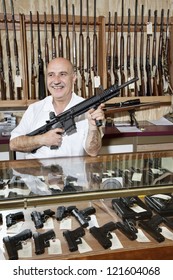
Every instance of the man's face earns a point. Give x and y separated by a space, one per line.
60 79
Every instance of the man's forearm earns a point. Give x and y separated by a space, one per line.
93 142
25 143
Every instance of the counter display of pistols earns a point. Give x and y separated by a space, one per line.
95 224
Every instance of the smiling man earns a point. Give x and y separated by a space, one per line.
87 138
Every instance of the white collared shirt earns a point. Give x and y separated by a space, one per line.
36 116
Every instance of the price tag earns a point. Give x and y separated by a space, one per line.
96 81
18 81
149 28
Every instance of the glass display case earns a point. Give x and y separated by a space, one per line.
103 196
30 182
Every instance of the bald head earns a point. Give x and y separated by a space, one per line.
62 62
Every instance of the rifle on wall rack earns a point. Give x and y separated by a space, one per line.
81 56
88 45
74 50
46 41
53 33
115 51
67 34
18 80
2 75
154 64
95 68
160 54
122 50
41 79
108 56
10 74
148 65
60 38
33 67
128 53
142 87
135 60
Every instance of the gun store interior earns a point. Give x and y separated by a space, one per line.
107 200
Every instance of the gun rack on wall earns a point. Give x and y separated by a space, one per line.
97 46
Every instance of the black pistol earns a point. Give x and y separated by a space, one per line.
152 227
63 212
13 218
41 240
14 243
82 216
40 218
73 238
102 234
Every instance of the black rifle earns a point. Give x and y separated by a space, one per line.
102 234
10 74
154 64
53 34
108 56
40 218
82 216
68 49
160 54
73 238
41 80
42 240
74 47
142 88
135 60
14 243
18 77
46 40
60 38
127 103
13 218
128 53
33 67
122 50
148 65
66 119
151 227
115 50
88 46
2 76
63 212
